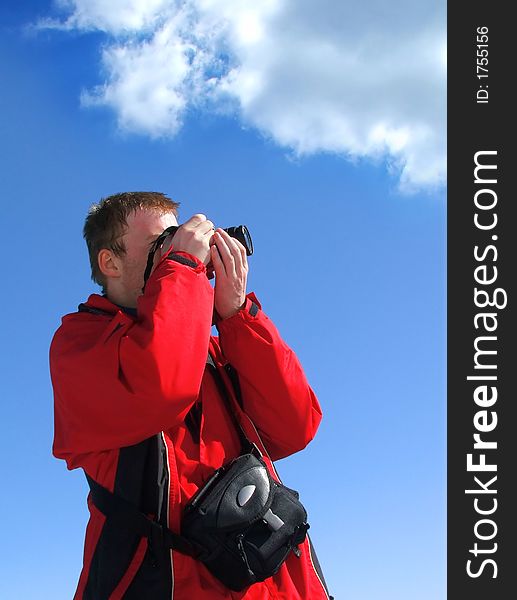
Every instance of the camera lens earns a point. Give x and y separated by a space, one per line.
241 234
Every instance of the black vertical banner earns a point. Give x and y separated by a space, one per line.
482 269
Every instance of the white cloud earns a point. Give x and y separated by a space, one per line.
113 16
360 79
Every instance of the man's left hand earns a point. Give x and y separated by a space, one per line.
231 272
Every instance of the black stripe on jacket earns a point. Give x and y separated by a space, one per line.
142 478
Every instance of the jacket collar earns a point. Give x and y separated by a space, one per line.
98 303
101 304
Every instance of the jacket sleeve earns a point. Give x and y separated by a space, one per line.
119 380
275 392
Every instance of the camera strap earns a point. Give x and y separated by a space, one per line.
156 244
246 444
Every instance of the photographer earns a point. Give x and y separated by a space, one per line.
150 405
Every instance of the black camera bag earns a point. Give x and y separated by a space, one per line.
245 522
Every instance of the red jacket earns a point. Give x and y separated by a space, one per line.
137 409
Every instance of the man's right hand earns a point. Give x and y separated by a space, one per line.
193 237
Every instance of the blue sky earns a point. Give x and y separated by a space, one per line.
349 263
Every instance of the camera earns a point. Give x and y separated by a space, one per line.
239 232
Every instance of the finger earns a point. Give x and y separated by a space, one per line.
225 252
229 238
241 250
217 263
237 249
236 253
244 255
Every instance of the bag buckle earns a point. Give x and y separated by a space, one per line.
298 538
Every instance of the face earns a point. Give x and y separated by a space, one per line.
143 227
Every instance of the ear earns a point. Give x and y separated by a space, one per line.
109 264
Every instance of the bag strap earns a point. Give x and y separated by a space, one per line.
160 538
246 444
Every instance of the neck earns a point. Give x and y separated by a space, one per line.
121 298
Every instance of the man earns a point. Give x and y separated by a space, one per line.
139 410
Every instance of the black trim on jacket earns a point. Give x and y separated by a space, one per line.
142 478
